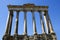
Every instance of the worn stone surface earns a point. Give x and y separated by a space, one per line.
33 37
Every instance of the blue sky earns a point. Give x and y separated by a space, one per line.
53 9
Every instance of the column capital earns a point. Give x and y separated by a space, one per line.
32 10
39 11
24 10
44 13
17 11
11 12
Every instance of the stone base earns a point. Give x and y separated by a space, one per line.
33 37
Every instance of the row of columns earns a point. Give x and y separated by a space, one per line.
44 18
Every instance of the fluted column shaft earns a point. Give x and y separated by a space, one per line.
42 22
46 21
9 23
25 23
17 20
34 23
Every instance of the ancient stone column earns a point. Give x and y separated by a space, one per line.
25 23
46 22
50 24
17 20
16 26
34 23
42 22
9 23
